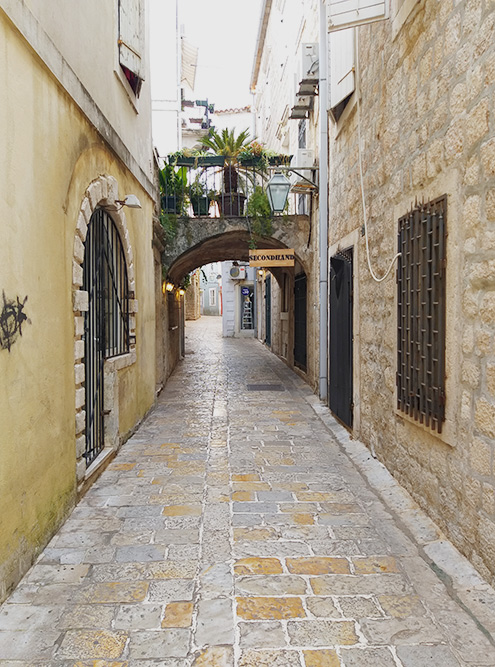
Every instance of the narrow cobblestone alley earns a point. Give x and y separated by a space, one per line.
234 529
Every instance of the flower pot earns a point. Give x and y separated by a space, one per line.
251 161
211 161
201 205
181 161
171 204
231 204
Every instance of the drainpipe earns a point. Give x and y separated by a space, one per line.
178 33
323 202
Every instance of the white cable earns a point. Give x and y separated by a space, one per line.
373 275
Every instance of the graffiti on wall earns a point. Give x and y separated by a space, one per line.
12 317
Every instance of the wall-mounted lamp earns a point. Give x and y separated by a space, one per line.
169 287
182 292
129 200
277 190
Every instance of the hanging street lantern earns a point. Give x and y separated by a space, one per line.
277 190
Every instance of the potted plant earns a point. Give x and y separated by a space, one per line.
253 155
173 183
182 158
198 195
228 145
277 160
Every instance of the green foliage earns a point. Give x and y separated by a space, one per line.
169 222
173 183
186 282
198 188
226 142
260 215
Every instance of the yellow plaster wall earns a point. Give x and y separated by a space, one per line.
50 155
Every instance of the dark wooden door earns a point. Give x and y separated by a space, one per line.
340 389
268 310
300 322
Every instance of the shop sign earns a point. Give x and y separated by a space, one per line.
265 258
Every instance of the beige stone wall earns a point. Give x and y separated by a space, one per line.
428 129
192 298
58 168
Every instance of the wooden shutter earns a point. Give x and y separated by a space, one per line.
131 37
342 59
345 13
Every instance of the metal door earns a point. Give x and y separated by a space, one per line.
300 325
268 310
340 389
106 322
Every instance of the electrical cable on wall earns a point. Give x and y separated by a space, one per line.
373 275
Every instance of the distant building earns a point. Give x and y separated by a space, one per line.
239 299
211 289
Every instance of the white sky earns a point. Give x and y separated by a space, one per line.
225 33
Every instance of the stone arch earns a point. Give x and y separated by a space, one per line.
101 193
228 245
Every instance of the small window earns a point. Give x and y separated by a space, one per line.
421 314
212 301
131 42
301 135
302 205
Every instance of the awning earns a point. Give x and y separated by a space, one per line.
189 63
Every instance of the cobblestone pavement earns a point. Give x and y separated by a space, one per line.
243 527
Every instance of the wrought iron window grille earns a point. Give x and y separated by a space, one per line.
421 277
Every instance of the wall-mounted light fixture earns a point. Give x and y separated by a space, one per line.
169 287
131 201
277 191
182 292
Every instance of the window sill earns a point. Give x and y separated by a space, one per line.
122 361
446 436
349 109
129 92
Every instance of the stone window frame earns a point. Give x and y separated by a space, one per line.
101 193
447 185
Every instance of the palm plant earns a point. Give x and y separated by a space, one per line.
229 145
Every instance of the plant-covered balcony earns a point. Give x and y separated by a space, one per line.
225 178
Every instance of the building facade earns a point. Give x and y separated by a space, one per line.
77 334
410 196
239 300
288 122
417 116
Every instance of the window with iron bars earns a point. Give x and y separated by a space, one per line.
421 313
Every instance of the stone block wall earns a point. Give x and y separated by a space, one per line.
427 120
192 298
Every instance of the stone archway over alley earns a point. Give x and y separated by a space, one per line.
239 526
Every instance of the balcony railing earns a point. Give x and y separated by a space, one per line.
215 187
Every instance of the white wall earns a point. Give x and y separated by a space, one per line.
165 75
231 300
79 42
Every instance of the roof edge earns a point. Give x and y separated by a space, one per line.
260 42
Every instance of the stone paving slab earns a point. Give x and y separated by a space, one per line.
245 528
